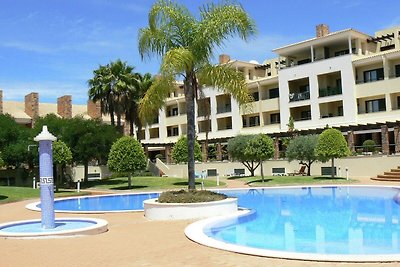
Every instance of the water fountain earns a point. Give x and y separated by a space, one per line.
49 226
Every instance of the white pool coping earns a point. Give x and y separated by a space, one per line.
195 232
99 226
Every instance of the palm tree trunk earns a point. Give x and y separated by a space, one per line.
191 130
262 171
333 168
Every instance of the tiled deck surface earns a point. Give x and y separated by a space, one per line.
132 240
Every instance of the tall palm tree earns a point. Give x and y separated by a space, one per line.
110 85
141 84
186 46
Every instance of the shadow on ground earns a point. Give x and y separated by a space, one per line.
3 197
126 187
185 183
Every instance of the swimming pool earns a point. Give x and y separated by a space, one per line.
318 223
100 204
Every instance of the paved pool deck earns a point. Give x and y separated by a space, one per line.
132 240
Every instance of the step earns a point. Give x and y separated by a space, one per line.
388 176
395 170
392 173
384 178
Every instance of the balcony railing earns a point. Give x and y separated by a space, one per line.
330 91
299 96
224 109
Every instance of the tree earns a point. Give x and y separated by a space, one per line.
62 155
260 148
302 148
180 150
110 85
141 84
331 144
251 150
1 160
186 46
127 155
89 140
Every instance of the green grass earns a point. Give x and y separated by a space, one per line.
292 180
12 194
147 183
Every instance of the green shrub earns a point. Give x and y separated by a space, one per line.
192 196
369 146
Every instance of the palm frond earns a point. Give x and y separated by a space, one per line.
154 98
220 22
226 79
177 61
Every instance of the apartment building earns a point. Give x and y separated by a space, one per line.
345 79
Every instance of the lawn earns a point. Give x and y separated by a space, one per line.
11 194
147 183
292 180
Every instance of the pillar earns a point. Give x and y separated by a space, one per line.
45 140
219 152
350 141
276 148
385 139
396 131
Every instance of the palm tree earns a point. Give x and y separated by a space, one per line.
141 84
186 45
110 84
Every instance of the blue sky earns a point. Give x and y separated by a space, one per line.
53 46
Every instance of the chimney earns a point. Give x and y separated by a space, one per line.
64 106
322 30
1 102
32 105
94 109
224 59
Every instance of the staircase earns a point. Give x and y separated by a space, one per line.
392 175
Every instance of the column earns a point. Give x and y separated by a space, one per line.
385 139
276 148
45 140
396 131
350 141
350 48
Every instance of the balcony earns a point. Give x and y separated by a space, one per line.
330 91
299 96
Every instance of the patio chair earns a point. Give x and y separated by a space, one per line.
302 171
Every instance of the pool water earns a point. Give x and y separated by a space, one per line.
322 220
106 203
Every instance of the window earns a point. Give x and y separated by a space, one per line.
340 111
244 121
373 75
375 105
304 88
175 112
304 61
306 115
397 70
254 121
275 118
255 96
274 93
172 131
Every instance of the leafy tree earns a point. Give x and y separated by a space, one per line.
260 147
180 150
127 155
54 123
251 150
369 145
89 140
1 160
186 46
302 148
331 144
110 85
62 155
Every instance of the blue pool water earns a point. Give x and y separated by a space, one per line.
36 226
327 220
127 202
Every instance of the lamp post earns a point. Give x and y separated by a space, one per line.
45 140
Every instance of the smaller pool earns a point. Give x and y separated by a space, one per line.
99 204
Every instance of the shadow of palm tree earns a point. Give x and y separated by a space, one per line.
3 197
328 178
185 183
125 187
260 181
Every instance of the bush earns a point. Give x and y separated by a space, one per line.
180 150
192 196
369 146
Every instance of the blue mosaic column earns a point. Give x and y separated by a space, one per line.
45 140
